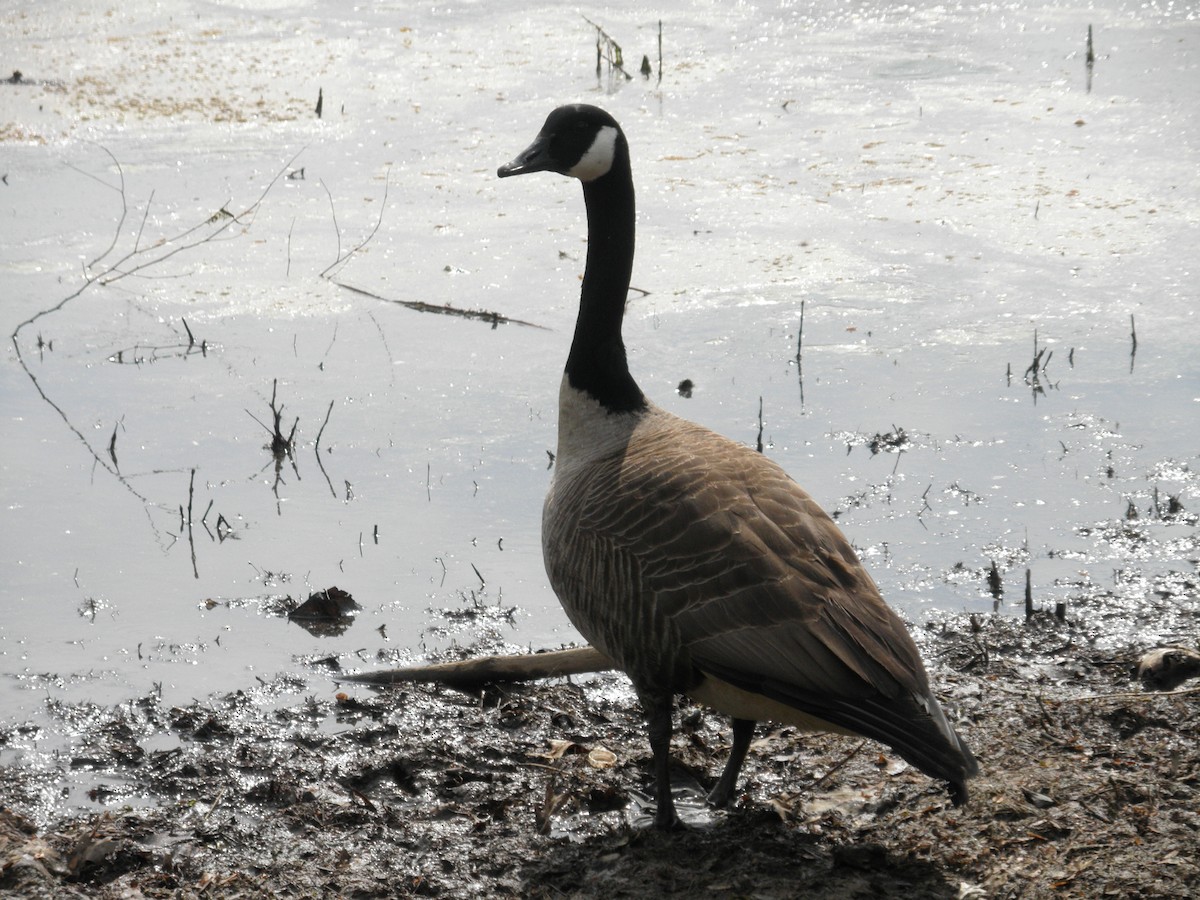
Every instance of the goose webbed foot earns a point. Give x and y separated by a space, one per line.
722 792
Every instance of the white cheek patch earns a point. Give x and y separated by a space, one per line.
599 157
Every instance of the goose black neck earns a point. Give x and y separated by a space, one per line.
597 362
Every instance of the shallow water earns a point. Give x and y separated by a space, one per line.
935 184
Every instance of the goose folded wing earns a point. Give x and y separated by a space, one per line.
762 591
762 587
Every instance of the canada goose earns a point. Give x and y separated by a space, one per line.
693 562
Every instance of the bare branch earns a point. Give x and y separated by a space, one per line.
470 674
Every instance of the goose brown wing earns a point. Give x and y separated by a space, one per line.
737 566
754 576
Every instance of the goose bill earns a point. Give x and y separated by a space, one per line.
534 158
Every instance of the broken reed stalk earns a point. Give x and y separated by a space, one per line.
800 336
288 271
280 446
660 51
1133 343
471 674
191 537
321 431
317 451
759 444
608 49
191 493
491 317
995 584
800 355
1028 596
1089 60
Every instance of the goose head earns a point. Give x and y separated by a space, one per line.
586 143
577 140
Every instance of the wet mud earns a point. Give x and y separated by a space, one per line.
1090 787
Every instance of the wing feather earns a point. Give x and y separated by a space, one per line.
686 554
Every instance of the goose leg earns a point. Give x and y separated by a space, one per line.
743 731
659 727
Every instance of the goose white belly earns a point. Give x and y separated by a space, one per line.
742 704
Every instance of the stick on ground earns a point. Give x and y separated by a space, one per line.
469 674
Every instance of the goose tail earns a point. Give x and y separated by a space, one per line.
914 726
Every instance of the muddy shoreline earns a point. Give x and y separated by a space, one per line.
1090 788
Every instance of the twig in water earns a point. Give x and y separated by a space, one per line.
1133 341
137 241
281 447
332 341
120 190
494 318
321 430
337 232
758 444
191 493
660 51
1028 596
342 260
317 449
800 335
112 447
191 539
925 507
288 271
1037 369
799 355
608 50
995 585
1089 60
